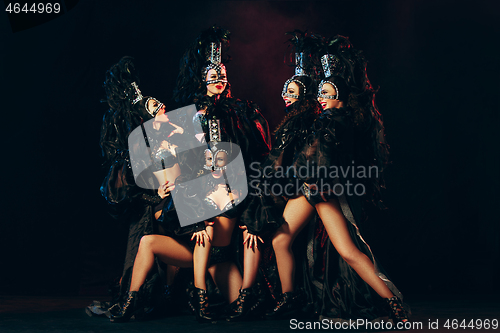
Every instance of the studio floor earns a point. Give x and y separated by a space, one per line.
64 314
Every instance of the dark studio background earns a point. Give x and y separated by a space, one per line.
436 63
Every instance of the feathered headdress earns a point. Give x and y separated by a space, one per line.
303 52
207 52
345 68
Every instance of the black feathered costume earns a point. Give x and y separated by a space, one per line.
238 121
131 204
316 148
349 144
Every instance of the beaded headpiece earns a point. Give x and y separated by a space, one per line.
299 64
155 111
137 93
299 71
285 88
138 97
332 66
213 54
215 138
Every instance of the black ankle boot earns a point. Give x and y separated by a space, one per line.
398 313
200 306
167 291
288 305
246 306
167 294
128 309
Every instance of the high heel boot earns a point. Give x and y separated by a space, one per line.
200 305
128 309
288 305
398 313
246 306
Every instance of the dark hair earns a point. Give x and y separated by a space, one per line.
117 85
372 147
190 85
123 116
307 103
307 44
308 83
120 93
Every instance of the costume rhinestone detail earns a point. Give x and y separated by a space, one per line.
137 93
285 88
155 111
213 55
320 95
332 66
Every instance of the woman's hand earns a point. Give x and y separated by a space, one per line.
178 130
202 234
164 190
251 240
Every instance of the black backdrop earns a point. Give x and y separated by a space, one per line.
436 63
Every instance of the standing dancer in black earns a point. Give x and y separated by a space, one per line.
203 81
348 129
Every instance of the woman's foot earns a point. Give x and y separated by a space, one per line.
246 306
288 305
201 307
398 313
128 309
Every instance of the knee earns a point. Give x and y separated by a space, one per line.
282 242
351 257
146 241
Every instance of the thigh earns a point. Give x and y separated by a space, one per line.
336 226
296 214
171 251
223 230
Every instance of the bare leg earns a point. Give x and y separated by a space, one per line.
297 213
251 261
336 227
226 275
171 273
227 278
166 249
201 255
223 230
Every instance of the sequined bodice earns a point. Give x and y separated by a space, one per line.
163 158
231 204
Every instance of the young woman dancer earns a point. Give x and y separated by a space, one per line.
348 130
203 81
129 199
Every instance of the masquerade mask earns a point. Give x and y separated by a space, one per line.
216 159
155 111
320 87
213 55
221 77
284 93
